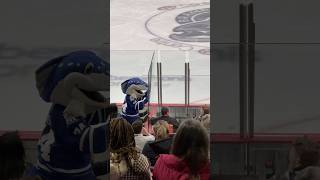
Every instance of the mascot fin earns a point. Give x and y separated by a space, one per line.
133 81
43 77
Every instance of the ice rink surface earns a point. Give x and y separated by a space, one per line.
173 27
149 24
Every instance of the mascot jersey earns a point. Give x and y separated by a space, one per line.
65 147
76 124
131 107
133 103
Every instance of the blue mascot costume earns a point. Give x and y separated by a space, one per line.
137 95
76 124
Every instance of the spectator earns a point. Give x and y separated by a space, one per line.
12 158
125 161
304 158
165 116
190 155
161 144
111 111
204 117
141 136
161 129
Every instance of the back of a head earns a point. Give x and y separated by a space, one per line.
191 143
124 155
137 126
112 111
12 156
161 130
121 134
164 111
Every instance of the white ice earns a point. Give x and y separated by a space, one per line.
132 24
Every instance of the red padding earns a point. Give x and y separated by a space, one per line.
260 138
27 135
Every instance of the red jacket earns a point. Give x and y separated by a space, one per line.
170 167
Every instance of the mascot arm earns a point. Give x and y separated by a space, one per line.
94 139
139 105
90 137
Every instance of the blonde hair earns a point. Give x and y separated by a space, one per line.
161 130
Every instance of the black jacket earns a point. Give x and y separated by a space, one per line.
152 149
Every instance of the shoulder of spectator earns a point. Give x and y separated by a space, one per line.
159 160
142 163
150 137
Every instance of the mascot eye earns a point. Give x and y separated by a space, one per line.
88 69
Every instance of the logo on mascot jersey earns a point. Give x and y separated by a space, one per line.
189 29
72 120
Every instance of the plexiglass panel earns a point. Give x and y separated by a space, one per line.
287 88
127 64
225 89
287 21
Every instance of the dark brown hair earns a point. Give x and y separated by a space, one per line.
307 150
137 126
112 111
164 110
191 143
122 139
12 156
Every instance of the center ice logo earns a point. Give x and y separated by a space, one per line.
184 26
195 26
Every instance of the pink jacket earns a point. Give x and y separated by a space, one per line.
170 167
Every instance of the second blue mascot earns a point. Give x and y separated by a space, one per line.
137 95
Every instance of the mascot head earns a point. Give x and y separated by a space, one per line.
75 81
135 87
